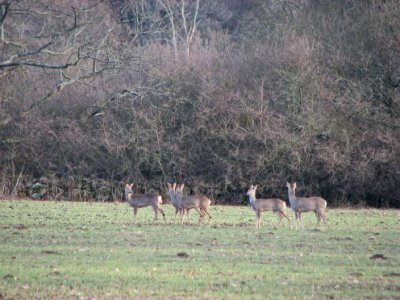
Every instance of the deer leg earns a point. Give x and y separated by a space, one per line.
163 214
188 215
301 221
205 210
324 218
280 216
201 214
155 213
258 219
287 217
317 214
177 210
298 219
135 209
182 214
176 214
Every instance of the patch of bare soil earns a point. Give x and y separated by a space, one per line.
357 274
393 274
182 254
20 226
51 252
378 257
242 224
341 238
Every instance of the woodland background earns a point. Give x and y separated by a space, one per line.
216 94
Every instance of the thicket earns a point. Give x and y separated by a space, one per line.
216 94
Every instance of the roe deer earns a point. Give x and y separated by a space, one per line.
303 204
142 200
199 203
174 200
275 205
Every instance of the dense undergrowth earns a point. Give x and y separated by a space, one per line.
237 92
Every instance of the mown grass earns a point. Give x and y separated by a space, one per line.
84 250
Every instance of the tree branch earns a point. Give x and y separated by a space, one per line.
3 13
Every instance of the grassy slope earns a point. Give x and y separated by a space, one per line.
54 250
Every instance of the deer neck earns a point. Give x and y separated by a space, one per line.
172 196
292 198
178 197
128 193
252 200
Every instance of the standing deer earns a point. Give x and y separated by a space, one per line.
174 200
275 205
142 200
303 204
200 203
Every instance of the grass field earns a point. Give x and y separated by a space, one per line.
92 250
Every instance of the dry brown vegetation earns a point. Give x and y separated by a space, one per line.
216 94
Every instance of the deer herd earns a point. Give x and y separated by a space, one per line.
202 204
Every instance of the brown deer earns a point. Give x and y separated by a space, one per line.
275 205
302 204
200 203
142 200
174 200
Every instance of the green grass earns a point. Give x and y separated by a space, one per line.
82 250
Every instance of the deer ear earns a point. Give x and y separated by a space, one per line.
288 184
169 185
294 185
182 186
174 185
255 187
